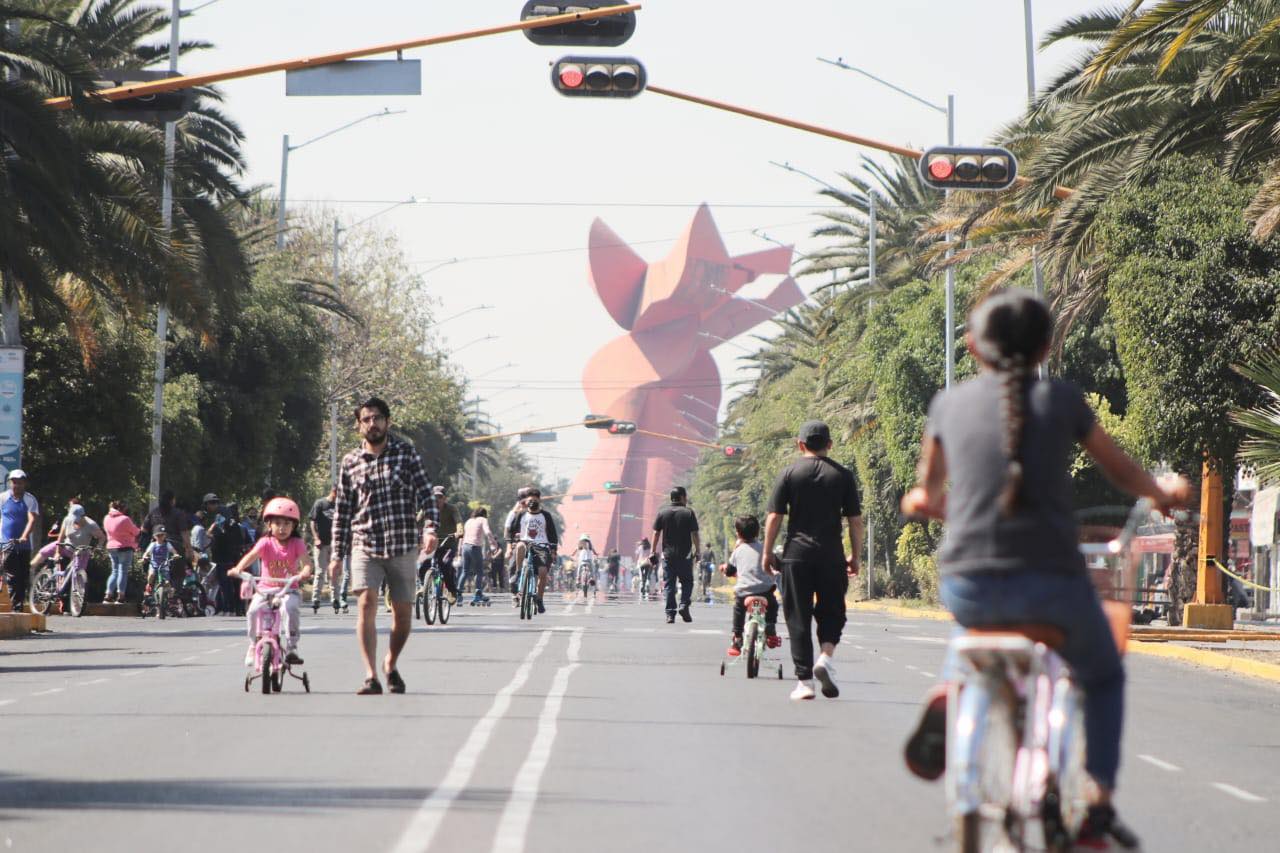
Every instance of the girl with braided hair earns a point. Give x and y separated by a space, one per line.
1005 441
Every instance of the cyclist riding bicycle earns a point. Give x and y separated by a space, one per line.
76 532
1005 442
534 532
158 557
585 559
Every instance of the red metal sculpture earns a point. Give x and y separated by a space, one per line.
660 374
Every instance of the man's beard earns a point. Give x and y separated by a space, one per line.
375 436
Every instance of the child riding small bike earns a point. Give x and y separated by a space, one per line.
746 563
284 556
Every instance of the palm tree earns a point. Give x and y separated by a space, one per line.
1261 423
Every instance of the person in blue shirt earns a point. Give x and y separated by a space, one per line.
19 514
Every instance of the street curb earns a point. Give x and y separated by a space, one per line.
932 613
20 624
1200 657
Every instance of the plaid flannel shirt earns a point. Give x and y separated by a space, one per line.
378 498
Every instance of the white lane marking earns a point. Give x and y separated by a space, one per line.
184 660
424 825
858 647
1239 793
937 641
47 692
890 660
4 702
912 668
591 603
1163 765
927 674
213 651
513 827
711 631
568 608
575 645
94 681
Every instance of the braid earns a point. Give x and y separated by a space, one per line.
1013 375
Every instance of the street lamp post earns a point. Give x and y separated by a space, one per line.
507 366
949 111
286 148
476 341
1037 273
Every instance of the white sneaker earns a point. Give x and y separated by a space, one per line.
248 656
804 690
825 671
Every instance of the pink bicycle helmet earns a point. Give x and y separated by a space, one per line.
281 508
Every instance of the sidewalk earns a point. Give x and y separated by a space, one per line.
1233 652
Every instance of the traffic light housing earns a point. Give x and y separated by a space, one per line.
622 428
982 169
613 487
598 32
598 76
597 421
161 107
734 451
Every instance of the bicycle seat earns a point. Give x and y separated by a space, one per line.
753 601
1051 635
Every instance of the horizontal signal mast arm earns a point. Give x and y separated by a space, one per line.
481 439
866 142
189 81
679 438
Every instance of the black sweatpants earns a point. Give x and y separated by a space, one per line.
813 590
17 572
679 569
740 611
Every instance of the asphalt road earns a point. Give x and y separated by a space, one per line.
591 729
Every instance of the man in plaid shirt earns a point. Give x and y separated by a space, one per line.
381 487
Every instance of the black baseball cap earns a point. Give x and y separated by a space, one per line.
815 434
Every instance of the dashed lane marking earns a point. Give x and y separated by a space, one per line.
94 681
709 631
1239 793
912 668
47 692
4 702
1163 765
889 660
422 828
927 674
937 641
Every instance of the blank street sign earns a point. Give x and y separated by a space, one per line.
537 437
357 77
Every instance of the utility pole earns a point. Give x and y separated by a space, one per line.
950 336
1037 274
162 311
333 403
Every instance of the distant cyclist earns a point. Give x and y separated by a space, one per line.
534 531
1005 442
644 551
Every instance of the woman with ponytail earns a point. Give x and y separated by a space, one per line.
995 468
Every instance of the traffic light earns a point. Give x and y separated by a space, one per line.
613 487
984 169
597 421
598 76
598 32
162 107
735 451
622 428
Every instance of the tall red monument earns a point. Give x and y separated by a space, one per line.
660 374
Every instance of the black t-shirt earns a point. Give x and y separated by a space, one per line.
815 493
614 562
678 524
229 544
322 517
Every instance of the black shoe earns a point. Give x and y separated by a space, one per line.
335 610
538 601
685 615
371 688
394 682
671 618
292 659
926 749
1101 827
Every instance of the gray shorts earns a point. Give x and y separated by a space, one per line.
400 572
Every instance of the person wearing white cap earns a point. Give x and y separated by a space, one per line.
19 514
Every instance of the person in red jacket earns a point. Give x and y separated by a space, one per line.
122 540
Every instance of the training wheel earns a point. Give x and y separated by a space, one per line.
306 682
779 672
248 679
721 670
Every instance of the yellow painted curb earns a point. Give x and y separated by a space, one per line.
20 624
1211 659
898 610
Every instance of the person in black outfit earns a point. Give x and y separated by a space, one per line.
675 536
815 493
229 545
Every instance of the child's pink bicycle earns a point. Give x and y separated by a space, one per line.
269 662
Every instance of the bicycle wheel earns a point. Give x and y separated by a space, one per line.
267 663
79 581
445 609
43 592
430 593
1064 803
987 829
749 646
162 602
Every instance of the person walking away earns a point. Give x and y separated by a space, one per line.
613 568
381 485
644 550
675 536
814 493
1006 442
708 566
283 555
534 532
229 545
746 563
321 522
122 541
19 515
477 540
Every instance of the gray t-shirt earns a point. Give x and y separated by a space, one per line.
1041 535
80 536
748 559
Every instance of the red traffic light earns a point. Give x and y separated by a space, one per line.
622 428
949 168
598 76
571 76
734 451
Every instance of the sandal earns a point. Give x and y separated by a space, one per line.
394 682
371 687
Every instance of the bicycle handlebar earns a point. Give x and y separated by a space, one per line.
1141 511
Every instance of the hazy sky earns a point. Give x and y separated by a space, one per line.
515 173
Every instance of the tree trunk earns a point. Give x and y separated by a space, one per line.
1182 570
10 329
